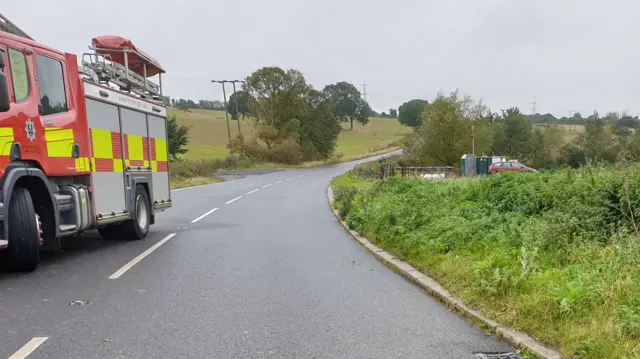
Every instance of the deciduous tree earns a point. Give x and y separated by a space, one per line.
242 98
178 137
293 121
410 113
444 133
347 104
513 134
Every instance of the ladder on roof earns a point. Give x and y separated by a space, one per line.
102 69
8 26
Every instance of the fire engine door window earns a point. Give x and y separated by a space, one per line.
53 97
19 75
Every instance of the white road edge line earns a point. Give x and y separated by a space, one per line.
29 348
267 185
278 182
137 259
254 191
233 200
204 215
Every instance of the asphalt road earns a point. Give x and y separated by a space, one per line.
269 274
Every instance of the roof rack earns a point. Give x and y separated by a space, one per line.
115 60
8 26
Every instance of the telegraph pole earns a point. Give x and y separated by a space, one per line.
236 101
226 113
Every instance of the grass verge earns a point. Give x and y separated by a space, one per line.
194 181
556 255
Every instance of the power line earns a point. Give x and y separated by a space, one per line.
364 91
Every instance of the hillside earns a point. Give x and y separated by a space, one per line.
208 134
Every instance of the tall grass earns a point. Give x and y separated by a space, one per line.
554 254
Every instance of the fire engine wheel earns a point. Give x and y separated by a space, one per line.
138 227
24 232
133 229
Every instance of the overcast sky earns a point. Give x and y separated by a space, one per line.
571 55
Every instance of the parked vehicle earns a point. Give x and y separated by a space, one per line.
509 167
81 147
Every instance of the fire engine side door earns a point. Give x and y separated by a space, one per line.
57 113
24 104
6 133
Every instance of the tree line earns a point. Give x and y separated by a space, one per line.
242 98
410 115
452 125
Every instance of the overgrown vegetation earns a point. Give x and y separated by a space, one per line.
554 254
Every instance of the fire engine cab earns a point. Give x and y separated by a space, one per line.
83 145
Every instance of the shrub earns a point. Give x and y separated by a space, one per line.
180 168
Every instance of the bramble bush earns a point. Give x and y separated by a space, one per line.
554 254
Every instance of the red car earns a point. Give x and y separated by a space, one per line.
510 167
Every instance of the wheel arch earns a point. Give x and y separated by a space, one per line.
30 177
145 180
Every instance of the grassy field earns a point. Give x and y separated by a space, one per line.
570 131
208 134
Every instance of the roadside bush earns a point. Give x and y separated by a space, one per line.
285 153
180 168
345 198
554 254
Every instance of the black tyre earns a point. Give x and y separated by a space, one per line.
138 227
24 237
131 229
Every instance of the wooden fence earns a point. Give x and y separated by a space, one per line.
386 170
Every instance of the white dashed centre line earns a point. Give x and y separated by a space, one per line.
29 348
255 190
300 176
137 259
289 179
233 200
204 215
278 182
267 185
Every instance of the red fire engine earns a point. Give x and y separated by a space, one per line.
82 147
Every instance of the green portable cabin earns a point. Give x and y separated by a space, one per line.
482 166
